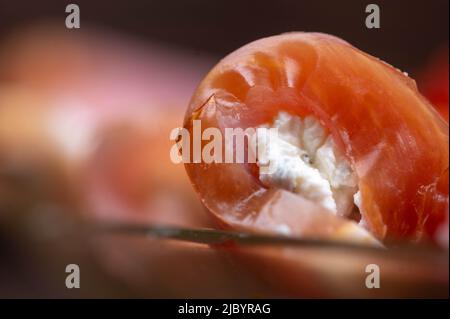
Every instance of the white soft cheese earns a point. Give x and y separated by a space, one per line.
303 159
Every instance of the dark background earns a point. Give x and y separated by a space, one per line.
410 30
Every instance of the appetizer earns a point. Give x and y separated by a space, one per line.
360 155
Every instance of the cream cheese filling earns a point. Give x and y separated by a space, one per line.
303 158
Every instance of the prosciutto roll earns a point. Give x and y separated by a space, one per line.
359 153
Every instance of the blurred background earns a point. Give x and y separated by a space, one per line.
85 117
